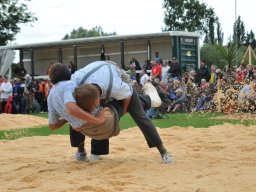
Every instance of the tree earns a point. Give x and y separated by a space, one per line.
211 54
188 15
239 31
220 34
229 54
250 40
12 14
81 33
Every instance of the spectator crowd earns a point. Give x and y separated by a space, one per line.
206 89
22 95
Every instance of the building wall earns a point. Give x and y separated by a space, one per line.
87 53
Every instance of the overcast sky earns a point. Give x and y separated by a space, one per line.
59 17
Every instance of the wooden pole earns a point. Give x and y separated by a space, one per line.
250 55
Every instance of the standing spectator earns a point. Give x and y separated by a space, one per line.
71 67
147 66
6 92
43 89
18 97
175 69
157 57
156 72
249 75
203 72
135 64
28 93
165 72
36 96
144 77
213 76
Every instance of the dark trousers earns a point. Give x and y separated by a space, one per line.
137 112
98 147
142 120
3 105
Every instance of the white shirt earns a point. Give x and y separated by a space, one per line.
6 90
165 74
144 78
120 90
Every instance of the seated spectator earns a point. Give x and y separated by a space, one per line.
247 96
201 103
180 104
203 85
132 73
249 75
192 76
165 72
134 64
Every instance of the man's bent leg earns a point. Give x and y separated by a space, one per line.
76 138
147 127
100 147
142 120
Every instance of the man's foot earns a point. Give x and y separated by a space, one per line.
94 158
80 156
167 158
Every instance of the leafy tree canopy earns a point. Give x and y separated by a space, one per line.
12 14
187 15
81 33
239 35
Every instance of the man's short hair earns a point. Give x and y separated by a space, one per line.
85 96
59 72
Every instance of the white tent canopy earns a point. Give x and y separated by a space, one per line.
6 60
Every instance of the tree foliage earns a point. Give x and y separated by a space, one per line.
81 33
250 40
12 14
239 31
220 34
188 15
212 55
229 54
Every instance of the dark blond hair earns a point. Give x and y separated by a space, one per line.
85 96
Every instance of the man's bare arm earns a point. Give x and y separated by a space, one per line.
57 125
126 103
74 110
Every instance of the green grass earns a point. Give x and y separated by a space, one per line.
196 120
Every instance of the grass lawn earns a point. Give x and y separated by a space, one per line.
197 120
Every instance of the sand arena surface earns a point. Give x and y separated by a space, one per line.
220 158
10 121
